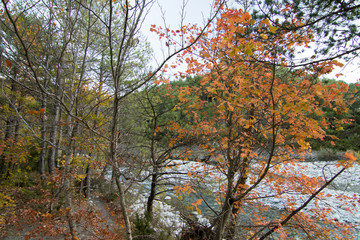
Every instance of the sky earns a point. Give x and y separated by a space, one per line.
195 12
170 12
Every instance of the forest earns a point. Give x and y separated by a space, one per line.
237 133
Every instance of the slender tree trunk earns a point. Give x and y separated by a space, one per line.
43 138
59 144
115 164
55 124
88 182
225 215
17 127
4 161
239 189
71 131
42 157
230 209
13 162
155 165
59 82
124 209
11 130
67 182
150 201
222 221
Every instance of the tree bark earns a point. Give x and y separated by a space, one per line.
88 182
11 130
223 219
43 136
150 201
115 164
55 122
124 208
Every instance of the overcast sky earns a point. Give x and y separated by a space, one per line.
195 12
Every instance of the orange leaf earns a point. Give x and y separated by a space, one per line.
348 163
8 63
350 156
339 74
33 112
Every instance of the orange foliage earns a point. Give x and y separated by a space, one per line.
261 111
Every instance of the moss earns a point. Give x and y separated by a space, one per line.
28 194
142 228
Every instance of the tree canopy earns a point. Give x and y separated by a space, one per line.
86 121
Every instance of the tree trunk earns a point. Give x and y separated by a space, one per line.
11 130
7 139
85 184
59 146
115 164
54 126
68 195
70 136
42 157
150 201
124 208
88 183
223 219
43 139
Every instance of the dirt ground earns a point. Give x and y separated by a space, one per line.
100 222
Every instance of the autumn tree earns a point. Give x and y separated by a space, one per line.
261 121
124 80
77 83
78 42
55 72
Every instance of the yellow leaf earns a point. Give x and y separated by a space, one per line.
263 36
222 108
273 29
248 51
80 176
198 211
339 128
233 52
